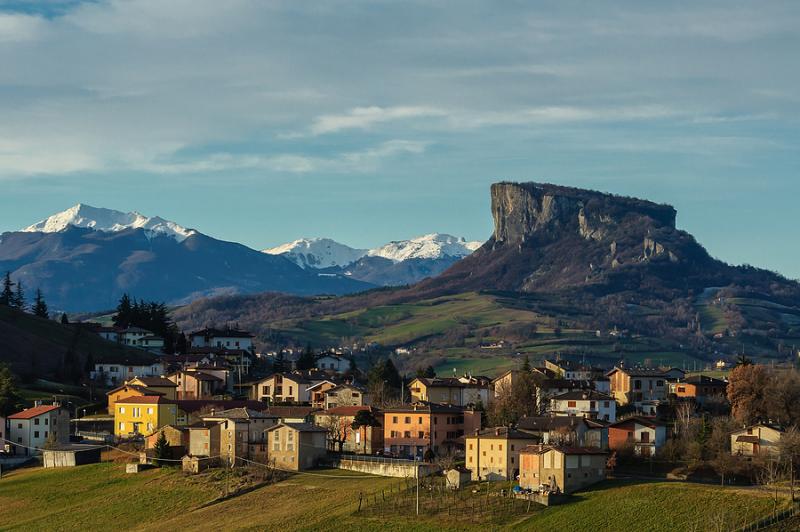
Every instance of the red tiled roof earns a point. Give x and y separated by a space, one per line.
30 413
144 400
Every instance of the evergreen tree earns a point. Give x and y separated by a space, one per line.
19 297
124 312
181 344
279 363
161 448
526 365
9 398
7 295
64 319
39 305
306 360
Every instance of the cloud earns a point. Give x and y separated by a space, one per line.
16 27
366 117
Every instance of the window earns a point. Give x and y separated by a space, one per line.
512 459
149 427
592 405
150 411
491 447
571 404
500 447
265 390
394 419
291 390
419 421
408 419
137 412
421 435
122 410
659 383
276 442
637 384
470 446
512 446
19 426
45 434
46 421
356 394
470 459
605 404
36 434
36 421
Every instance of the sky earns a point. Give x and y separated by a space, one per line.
266 121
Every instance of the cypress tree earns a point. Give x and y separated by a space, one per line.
19 297
39 305
7 295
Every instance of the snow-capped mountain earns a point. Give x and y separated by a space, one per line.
108 220
432 246
395 263
317 253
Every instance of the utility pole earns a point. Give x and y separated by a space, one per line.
416 463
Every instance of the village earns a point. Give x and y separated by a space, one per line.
539 433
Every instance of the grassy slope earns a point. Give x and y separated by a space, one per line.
102 497
655 506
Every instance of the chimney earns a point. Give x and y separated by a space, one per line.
497 431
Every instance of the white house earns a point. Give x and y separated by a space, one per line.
132 335
754 440
646 435
584 403
31 428
333 362
115 373
151 343
226 338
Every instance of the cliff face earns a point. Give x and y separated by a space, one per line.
549 237
525 210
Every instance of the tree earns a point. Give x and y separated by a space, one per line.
181 344
784 397
362 420
742 360
9 398
747 388
39 305
7 295
789 449
514 401
124 313
19 297
307 359
337 431
64 319
526 365
161 448
426 373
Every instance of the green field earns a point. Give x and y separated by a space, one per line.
103 497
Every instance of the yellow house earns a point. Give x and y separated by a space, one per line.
493 454
143 415
448 390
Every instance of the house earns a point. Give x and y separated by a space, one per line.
449 390
113 373
131 390
410 430
71 455
317 391
566 430
32 428
151 343
646 435
563 469
293 414
242 433
505 383
602 385
283 388
584 403
639 386
131 335
341 434
567 369
756 440
177 438
296 446
701 388
228 338
548 388
345 395
204 438
493 453
332 363
143 415
197 384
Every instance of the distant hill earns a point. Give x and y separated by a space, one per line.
40 348
570 265
85 258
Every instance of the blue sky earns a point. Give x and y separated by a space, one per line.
265 121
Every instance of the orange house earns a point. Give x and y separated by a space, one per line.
411 430
700 388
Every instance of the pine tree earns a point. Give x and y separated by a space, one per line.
181 344
306 360
64 319
19 297
7 295
39 305
161 448
124 312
